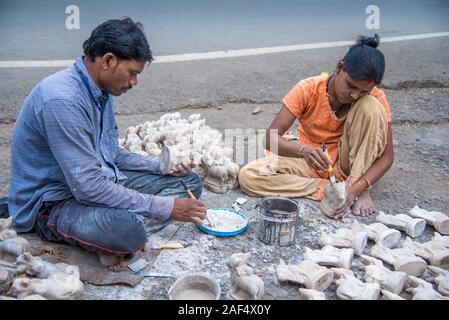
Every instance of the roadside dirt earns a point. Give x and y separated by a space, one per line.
419 176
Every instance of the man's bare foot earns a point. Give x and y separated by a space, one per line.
364 206
146 247
113 262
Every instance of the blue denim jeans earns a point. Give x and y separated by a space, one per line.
109 230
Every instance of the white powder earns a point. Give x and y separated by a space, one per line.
194 294
224 221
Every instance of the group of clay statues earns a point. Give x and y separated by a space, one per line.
175 140
391 266
25 277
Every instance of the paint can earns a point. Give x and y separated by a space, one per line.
278 218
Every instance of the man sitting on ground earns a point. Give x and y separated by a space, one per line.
70 181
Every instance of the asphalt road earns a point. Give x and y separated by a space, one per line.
35 30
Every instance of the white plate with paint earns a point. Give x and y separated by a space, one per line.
225 222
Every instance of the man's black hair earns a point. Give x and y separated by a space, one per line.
364 61
122 37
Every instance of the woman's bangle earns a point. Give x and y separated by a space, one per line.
300 149
368 182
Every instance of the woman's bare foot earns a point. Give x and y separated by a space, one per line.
113 262
364 206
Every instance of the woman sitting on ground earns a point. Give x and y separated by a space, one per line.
348 113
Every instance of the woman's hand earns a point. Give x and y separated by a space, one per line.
183 169
315 158
343 210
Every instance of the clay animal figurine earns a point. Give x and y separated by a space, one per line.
59 286
402 259
346 238
379 233
433 251
334 197
441 278
245 284
331 256
351 288
376 272
35 266
11 246
437 219
412 226
423 290
307 273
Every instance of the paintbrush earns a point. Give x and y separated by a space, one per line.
329 168
191 195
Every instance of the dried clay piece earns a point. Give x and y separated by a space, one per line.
311 294
351 288
423 290
437 219
411 226
330 256
307 273
441 278
334 197
245 284
379 233
401 259
346 238
376 272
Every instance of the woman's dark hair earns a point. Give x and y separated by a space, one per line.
122 37
364 61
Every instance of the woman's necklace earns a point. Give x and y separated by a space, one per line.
342 109
328 80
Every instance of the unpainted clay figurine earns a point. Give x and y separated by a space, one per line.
437 219
311 294
441 278
346 238
245 284
376 272
379 233
307 273
331 256
414 227
432 251
334 197
35 266
11 246
402 259
423 290
442 240
59 286
387 295
351 288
